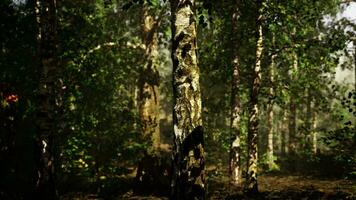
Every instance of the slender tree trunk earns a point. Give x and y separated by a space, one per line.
235 149
45 180
285 136
149 82
251 181
278 132
293 109
188 180
308 119
311 123
314 135
292 126
270 160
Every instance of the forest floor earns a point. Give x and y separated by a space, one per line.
271 186
289 187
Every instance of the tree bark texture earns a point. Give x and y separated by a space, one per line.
253 123
188 180
235 146
270 115
45 154
149 82
354 43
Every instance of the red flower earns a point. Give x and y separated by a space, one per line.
12 98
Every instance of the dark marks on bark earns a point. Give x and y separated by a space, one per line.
186 48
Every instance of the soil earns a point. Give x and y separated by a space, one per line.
271 186
290 188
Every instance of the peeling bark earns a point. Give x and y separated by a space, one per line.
253 123
149 82
188 181
45 155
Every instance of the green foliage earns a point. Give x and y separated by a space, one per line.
100 49
341 142
263 163
101 129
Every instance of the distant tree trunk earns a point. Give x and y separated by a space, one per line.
310 122
188 180
292 125
251 180
308 114
314 135
45 158
285 136
149 82
278 131
270 160
235 149
293 109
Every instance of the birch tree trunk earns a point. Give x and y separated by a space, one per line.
149 82
45 159
188 180
235 149
253 123
270 115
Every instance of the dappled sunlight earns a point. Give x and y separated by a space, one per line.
179 99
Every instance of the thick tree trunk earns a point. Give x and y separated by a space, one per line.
235 149
149 82
251 180
45 180
270 160
188 180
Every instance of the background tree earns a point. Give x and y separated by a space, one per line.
149 79
251 182
48 100
270 114
235 149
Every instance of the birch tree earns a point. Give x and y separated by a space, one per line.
253 123
188 145
235 149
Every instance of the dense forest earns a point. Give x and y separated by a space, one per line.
179 99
